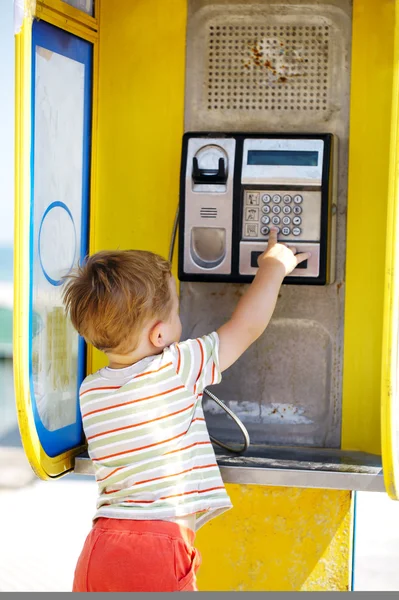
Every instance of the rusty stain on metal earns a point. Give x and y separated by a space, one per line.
280 75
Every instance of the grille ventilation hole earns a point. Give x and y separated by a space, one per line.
208 213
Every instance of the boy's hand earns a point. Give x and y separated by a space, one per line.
279 256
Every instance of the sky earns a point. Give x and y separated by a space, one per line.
6 122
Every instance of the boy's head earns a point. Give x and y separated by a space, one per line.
119 298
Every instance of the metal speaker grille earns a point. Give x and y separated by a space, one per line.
270 67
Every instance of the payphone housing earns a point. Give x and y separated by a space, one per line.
234 187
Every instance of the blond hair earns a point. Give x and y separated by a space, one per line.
114 294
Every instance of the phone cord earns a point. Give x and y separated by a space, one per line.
237 421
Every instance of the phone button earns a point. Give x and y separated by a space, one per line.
302 265
276 210
265 219
287 199
266 209
298 199
297 231
297 210
264 231
266 198
286 231
286 220
252 198
297 220
276 198
255 256
275 220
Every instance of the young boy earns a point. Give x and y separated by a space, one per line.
155 467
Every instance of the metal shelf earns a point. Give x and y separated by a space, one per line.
292 467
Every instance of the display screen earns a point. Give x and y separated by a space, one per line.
284 158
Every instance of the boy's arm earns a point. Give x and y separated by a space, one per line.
254 310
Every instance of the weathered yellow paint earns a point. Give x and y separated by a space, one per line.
390 364
67 12
370 124
278 539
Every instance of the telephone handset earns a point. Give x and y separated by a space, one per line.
234 187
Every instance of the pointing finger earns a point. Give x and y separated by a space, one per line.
272 237
301 257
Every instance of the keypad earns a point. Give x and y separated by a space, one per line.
282 210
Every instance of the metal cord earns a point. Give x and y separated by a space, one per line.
237 421
173 237
240 425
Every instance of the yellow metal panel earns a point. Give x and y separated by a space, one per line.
278 539
390 390
65 22
140 125
68 11
370 122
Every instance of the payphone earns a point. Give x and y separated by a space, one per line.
234 187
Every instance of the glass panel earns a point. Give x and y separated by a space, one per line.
57 198
62 80
86 6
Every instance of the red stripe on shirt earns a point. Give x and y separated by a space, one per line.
166 476
202 360
187 447
101 389
179 359
177 412
98 410
141 448
152 372
219 487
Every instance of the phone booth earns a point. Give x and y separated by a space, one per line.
242 114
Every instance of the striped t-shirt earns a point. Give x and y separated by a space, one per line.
148 439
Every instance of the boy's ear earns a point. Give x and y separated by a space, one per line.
157 335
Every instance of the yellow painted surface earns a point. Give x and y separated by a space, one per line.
370 123
140 125
67 12
389 388
278 539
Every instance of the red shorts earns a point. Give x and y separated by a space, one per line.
137 556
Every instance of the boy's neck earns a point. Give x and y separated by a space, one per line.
120 361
